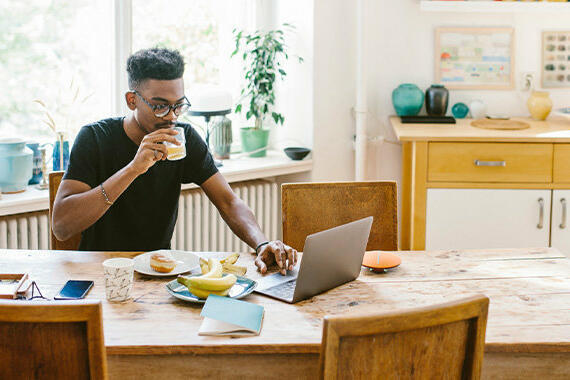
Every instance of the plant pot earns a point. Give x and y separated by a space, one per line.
15 165
437 98
539 104
253 139
407 99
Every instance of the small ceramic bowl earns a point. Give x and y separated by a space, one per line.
564 112
296 153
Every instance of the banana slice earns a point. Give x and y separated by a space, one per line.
215 284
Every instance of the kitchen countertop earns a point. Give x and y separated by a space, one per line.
553 130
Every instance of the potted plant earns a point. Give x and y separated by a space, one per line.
263 55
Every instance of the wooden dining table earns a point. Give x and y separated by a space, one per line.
155 335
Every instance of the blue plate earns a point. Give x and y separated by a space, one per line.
241 288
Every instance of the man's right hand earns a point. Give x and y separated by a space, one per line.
152 149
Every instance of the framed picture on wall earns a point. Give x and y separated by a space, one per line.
475 58
556 59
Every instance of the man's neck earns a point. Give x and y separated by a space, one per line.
133 129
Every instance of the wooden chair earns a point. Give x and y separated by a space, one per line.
435 342
312 207
72 243
52 340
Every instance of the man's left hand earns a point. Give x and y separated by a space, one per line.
276 252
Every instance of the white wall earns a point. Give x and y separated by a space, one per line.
400 40
399 48
295 99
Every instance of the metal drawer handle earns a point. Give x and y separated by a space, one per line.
490 163
540 214
563 224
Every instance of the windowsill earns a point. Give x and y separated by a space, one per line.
234 170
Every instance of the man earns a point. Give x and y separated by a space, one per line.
122 194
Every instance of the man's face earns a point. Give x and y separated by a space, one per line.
158 92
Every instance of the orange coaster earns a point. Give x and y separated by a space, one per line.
380 260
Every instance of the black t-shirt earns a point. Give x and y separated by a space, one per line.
144 216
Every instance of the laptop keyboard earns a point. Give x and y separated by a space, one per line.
285 290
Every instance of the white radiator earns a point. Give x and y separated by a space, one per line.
199 226
25 231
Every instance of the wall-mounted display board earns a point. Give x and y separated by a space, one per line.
475 58
556 59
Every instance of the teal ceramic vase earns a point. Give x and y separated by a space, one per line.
15 165
407 99
254 140
459 110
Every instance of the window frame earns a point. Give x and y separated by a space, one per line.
258 10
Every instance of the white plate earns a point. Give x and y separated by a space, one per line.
186 262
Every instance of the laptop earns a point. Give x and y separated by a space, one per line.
330 258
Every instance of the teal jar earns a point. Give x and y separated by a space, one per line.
16 161
459 110
407 99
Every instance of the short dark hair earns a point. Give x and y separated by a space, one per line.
154 63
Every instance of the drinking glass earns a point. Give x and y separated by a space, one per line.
177 152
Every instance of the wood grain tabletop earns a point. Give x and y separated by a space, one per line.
529 291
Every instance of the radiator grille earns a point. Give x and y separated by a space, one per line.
25 231
199 226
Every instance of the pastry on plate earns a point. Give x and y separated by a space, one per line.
162 262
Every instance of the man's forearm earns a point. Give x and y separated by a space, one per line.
242 222
77 212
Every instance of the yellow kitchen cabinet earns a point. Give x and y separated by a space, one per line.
466 187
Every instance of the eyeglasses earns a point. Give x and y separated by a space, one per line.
161 110
34 287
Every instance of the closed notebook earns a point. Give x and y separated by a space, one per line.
225 316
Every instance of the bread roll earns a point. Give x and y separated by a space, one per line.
162 262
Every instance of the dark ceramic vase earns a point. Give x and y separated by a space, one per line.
437 98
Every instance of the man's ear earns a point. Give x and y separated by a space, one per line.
130 99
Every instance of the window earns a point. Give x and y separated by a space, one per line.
60 53
202 32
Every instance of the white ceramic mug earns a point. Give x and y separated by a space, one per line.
119 278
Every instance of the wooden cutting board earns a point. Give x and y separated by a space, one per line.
500 124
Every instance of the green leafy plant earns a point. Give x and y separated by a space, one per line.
263 55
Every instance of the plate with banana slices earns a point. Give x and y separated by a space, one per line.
240 288
219 277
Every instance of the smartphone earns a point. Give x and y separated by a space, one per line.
74 290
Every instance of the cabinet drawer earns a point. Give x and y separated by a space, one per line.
489 162
561 163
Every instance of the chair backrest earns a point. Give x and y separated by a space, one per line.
316 206
72 243
436 342
52 340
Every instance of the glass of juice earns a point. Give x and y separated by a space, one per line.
177 152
